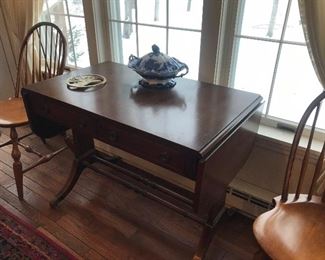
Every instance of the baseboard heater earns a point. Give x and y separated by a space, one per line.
246 202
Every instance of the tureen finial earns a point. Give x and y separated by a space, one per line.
155 49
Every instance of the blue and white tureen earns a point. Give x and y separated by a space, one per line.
157 69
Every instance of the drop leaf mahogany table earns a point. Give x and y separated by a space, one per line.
200 131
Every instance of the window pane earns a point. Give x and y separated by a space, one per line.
253 69
60 21
294 31
149 36
152 12
78 40
296 84
56 6
186 14
75 7
262 18
71 57
124 46
185 46
122 10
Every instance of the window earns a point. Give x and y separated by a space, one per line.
270 57
262 50
69 16
175 26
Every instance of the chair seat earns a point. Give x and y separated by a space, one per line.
292 231
12 113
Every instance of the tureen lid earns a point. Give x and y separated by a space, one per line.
157 65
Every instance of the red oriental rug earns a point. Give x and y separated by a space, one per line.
19 240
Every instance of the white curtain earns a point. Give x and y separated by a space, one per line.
19 16
312 13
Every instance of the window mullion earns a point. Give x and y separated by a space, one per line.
48 10
210 40
157 26
90 27
232 55
278 58
269 40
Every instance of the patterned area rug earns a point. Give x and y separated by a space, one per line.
19 240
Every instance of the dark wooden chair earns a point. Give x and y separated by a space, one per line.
42 56
295 227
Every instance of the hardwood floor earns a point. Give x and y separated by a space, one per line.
101 219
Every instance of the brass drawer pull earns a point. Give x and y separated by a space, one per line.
82 125
112 136
164 157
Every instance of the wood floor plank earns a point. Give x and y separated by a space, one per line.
67 238
16 212
49 235
7 169
98 209
97 238
161 246
93 255
39 203
5 180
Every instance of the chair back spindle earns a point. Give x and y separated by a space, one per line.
313 107
318 169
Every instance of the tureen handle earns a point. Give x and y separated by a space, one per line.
132 57
183 74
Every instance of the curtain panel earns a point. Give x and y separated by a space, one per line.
312 13
19 16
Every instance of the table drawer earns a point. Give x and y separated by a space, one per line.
62 113
144 146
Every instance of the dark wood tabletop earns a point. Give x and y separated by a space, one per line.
193 114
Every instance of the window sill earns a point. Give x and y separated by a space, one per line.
275 134
285 137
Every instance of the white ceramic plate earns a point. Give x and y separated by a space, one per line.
84 82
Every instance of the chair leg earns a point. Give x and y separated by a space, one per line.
17 165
